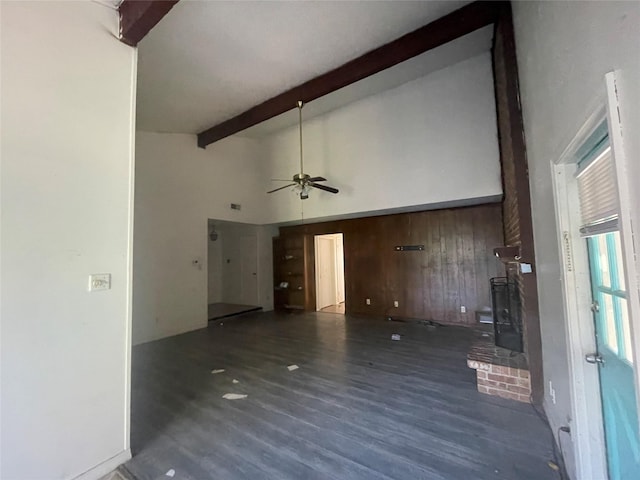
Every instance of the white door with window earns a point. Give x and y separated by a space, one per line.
613 357
601 297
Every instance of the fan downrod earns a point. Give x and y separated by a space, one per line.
303 181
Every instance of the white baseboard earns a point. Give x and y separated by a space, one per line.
105 467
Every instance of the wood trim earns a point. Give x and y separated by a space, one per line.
309 273
511 134
138 17
454 25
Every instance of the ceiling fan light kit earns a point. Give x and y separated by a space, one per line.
302 181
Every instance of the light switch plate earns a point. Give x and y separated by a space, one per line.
525 268
99 281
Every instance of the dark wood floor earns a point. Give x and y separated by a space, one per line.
361 406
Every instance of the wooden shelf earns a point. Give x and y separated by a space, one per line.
289 255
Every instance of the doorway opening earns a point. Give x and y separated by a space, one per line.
330 291
232 269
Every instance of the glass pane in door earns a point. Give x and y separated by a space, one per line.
613 339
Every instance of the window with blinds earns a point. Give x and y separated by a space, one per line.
598 192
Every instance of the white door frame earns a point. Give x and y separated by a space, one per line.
628 239
340 286
339 293
320 261
587 427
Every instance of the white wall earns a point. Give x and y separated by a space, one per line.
178 187
68 89
432 140
564 51
231 261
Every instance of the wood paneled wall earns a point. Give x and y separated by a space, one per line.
453 270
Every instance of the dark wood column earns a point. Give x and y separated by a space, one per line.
518 224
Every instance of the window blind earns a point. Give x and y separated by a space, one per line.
598 193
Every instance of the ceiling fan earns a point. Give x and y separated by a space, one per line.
302 181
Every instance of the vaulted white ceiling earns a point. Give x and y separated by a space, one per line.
208 61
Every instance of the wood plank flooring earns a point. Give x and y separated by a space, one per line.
361 406
334 309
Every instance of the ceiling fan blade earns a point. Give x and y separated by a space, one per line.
286 186
317 179
323 187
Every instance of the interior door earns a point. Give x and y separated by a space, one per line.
614 356
325 272
249 270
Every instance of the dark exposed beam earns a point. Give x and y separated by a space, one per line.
454 25
138 17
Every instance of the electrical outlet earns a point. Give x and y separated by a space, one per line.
99 281
463 309
368 301
396 304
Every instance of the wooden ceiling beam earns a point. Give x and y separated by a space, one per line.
138 17
454 25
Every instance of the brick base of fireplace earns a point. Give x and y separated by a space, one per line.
499 371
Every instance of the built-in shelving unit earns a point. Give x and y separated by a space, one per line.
289 273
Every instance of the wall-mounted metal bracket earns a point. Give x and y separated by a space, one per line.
403 248
508 254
